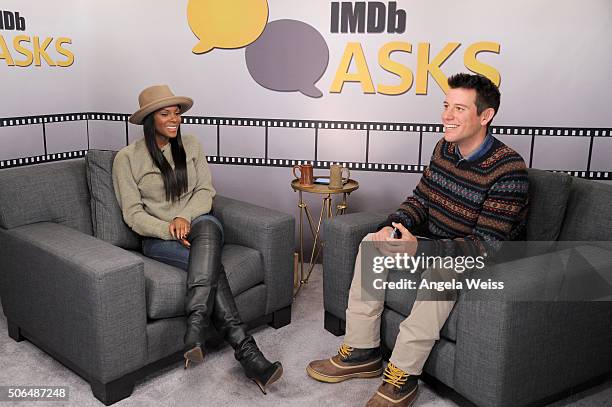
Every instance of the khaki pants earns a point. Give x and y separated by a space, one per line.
418 332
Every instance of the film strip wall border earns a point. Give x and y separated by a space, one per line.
315 125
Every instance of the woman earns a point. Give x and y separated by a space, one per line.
163 185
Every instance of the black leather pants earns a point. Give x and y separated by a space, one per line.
209 303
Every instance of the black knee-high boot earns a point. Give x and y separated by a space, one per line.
225 315
202 279
256 366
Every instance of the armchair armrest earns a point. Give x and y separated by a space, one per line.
342 235
78 297
524 346
270 232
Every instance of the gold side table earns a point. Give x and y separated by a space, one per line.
326 213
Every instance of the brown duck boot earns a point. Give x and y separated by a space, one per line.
347 364
399 389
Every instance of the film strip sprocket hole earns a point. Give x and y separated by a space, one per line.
526 131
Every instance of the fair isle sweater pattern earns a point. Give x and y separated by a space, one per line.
481 202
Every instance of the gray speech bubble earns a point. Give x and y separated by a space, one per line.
289 56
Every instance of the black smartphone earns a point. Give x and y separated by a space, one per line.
396 234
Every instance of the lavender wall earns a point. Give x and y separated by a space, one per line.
553 109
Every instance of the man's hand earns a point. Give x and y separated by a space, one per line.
381 237
179 229
388 245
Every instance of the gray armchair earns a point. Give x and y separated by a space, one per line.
491 351
107 312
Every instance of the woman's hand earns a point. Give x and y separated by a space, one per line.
179 229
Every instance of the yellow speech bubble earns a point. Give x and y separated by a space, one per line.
226 24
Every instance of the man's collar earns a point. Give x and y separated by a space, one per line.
484 148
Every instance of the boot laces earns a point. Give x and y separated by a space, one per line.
395 376
345 351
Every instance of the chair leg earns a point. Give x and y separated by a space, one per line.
112 392
281 318
14 331
334 324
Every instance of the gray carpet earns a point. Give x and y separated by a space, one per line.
219 381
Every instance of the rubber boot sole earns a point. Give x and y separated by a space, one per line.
337 379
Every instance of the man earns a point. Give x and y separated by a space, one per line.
472 196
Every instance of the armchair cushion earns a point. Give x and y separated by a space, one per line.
106 216
166 285
548 195
52 192
589 217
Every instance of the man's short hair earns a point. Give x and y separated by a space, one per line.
487 94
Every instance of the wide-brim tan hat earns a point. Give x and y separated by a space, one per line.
157 97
